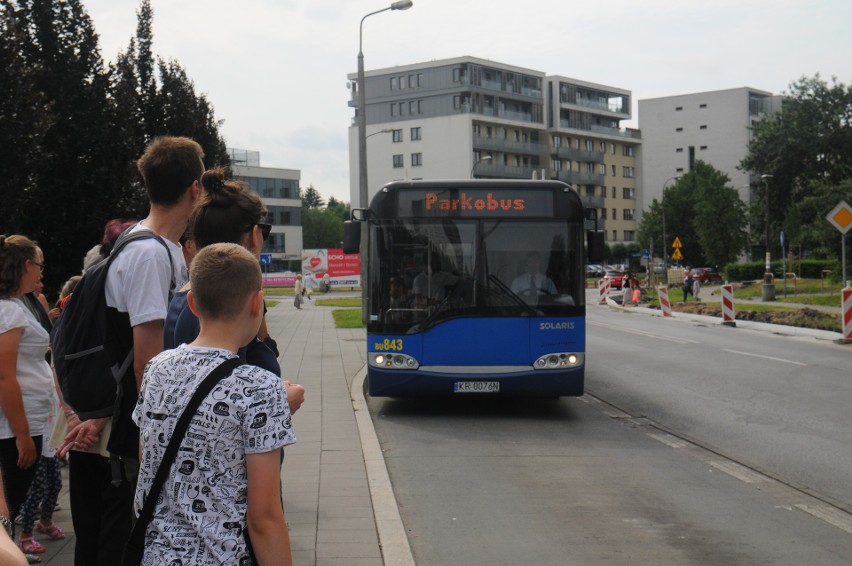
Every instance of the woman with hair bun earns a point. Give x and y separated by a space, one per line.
26 381
227 212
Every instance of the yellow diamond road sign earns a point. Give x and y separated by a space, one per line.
841 217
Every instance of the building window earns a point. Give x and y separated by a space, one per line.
678 129
628 151
401 108
415 134
614 169
397 161
402 83
679 170
602 169
476 130
614 235
456 74
590 145
420 107
416 159
393 83
703 147
393 109
702 127
678 108
679 150
557 141
628 235
603 214
397 136
411 81
412 107
612 148
614 216
628 193
627 214
603 147
628 172
557 165
702 106
419 80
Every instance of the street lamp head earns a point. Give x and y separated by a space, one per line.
402 5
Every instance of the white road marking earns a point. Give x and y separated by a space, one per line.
643 333
782 360
736 470
830 515
669 440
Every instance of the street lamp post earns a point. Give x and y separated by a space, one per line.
475 163
362 104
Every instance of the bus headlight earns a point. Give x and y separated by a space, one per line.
393 361
560 360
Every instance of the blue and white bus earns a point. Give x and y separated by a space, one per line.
474 287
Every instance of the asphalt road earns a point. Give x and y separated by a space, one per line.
699 444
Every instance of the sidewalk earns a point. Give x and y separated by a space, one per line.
337 498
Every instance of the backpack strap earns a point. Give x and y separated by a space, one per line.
136 543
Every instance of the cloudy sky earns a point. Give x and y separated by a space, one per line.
275 70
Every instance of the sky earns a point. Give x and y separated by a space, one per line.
275 71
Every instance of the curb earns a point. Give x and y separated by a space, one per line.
779 329
393 541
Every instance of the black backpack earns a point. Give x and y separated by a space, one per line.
92 343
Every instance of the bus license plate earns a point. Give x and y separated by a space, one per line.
476 387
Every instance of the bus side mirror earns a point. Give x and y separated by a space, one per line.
595 246
351 237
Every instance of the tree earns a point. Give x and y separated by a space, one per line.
321 228
311 198
339 208
704 213
808 141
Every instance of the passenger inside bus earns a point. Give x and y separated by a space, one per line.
430 286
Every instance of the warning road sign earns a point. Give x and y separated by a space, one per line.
677 255
676 244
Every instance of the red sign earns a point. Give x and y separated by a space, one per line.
341 265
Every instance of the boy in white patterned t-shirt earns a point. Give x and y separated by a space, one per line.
226 474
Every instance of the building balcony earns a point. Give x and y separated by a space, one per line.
576 178
616 132
508 146
498 171
582 155
592 201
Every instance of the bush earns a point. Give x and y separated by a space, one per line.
807 268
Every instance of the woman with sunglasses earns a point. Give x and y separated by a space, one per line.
26 380
227 212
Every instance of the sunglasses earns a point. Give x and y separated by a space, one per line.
265 229
41 265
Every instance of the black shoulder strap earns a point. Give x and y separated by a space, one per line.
137 537
145 233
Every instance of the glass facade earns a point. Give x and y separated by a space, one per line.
273 188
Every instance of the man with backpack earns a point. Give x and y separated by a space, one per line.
138 283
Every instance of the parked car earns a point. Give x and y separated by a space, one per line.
706 275
594 270
616 278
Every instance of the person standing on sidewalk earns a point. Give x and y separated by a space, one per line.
298 288
231 448
139 286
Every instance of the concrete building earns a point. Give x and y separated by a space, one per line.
279 189
715 127
468 117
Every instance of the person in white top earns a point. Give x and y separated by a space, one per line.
26 380
138 285
533 283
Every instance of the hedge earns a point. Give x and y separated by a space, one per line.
807 268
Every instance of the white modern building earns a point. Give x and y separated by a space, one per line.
279 189
469 117
714 127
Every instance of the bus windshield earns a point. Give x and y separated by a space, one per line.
425 271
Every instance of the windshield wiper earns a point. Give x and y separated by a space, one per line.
512 295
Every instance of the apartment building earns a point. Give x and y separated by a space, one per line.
279 190
715 127
472 118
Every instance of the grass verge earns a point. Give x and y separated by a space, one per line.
341 302
347 318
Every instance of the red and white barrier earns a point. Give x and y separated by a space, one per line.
665 303
728 317
846 314
604 290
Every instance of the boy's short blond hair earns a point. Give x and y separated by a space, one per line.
222 278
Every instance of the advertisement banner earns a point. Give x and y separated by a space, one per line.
343 270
